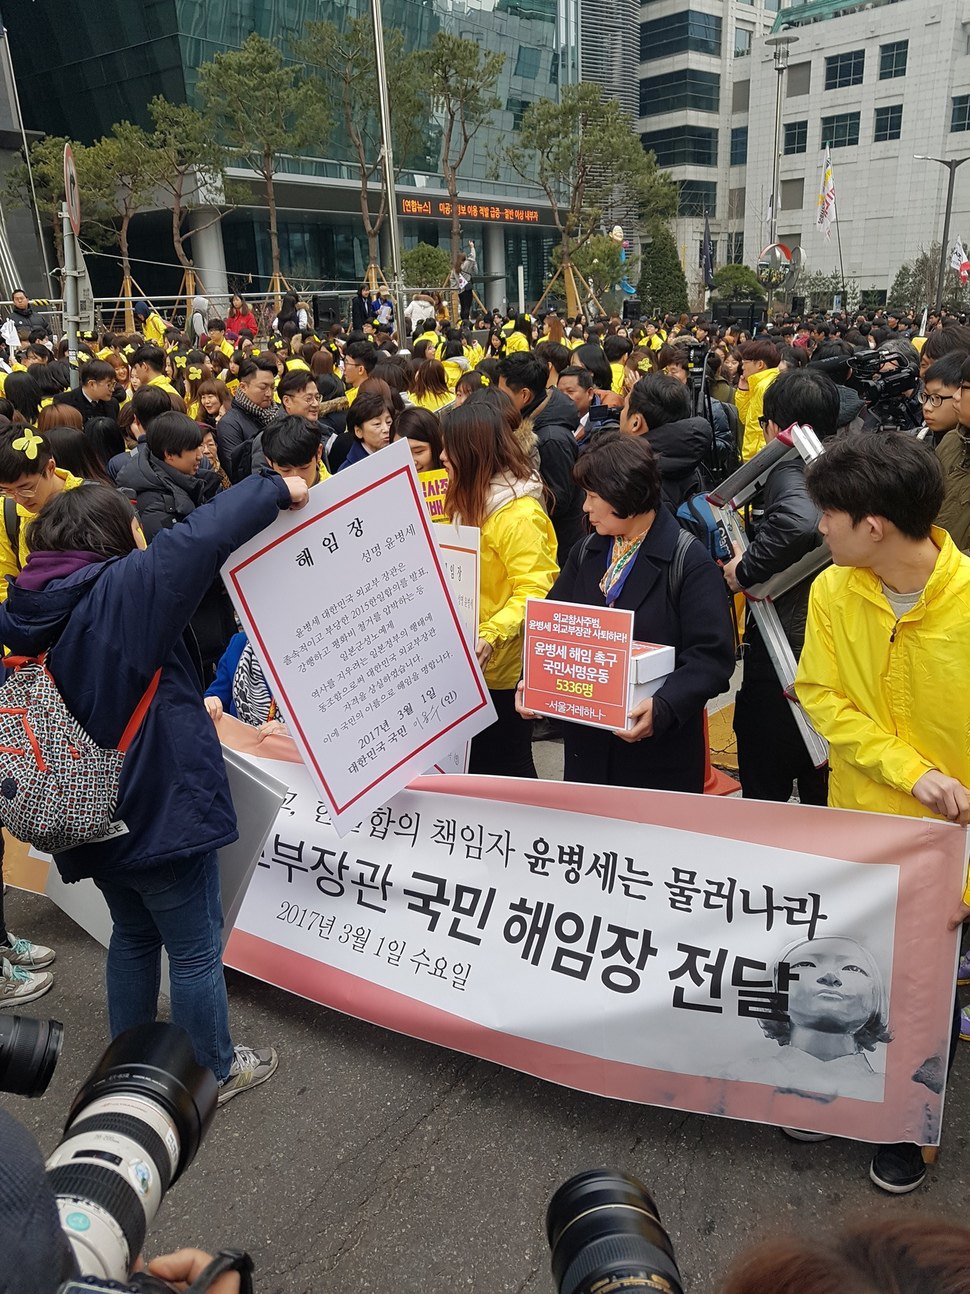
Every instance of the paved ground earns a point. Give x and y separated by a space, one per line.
373 1162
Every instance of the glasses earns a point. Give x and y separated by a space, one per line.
311 397
24 492
763 422
933 401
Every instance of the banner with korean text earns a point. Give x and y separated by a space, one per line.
776 963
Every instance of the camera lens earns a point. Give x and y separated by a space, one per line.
28 1054
133 1129
605 1234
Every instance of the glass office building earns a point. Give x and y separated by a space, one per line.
80 68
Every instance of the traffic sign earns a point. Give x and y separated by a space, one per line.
72 193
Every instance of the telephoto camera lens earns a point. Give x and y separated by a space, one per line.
28 1054
606 1235
133 1129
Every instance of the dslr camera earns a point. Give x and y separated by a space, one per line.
132 1130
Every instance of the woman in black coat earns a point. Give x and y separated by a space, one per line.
636 560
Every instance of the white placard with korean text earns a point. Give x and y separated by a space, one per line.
646 960
348 610
460 548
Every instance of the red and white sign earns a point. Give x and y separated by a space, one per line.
349 612
577 662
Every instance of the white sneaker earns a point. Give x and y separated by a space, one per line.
799 1134
21 952
249 1068
19 986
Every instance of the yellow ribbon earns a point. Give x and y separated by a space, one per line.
29 443
195 374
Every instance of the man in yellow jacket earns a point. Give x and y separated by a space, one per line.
759 368
886 647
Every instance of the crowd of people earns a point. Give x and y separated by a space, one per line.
580 450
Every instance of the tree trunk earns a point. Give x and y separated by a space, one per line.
123 243
451 179
274 237
373 241
178 239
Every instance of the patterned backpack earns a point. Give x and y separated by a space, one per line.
58 788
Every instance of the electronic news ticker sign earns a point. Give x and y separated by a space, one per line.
442 210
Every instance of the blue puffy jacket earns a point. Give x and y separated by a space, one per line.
108 627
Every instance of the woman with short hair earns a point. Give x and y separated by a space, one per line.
638 559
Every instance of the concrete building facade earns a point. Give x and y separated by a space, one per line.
879 81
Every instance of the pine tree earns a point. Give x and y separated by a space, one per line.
663 287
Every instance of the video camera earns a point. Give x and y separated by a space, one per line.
881 377
133 1129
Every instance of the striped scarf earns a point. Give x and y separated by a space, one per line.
250 694
263 416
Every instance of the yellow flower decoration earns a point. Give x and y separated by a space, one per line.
195 374
29 443
179 361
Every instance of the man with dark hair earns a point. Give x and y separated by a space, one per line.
25 317
771 753
759 368
148 369
556 356
835 359
941 383
577 385
616 349
554 420
216 332
886 647
169 483
659 408
360 358
252 410
36 353
94 398
292 447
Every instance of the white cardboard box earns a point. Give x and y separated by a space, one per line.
650 665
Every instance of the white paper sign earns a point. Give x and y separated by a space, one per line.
348 610
460 548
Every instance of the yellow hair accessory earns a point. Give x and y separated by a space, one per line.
179 361
29 443
195 374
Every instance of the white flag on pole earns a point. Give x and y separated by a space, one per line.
826 197
959 262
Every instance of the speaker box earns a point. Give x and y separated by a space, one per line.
798 306
631 309
326 311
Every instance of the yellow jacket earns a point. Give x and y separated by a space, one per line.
751 405
162 382
518 561
11 565
153 329
515 342
619 372
433 402
888 695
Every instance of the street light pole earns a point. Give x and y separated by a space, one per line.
951 165
387 155
780 47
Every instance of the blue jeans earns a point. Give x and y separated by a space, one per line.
177 905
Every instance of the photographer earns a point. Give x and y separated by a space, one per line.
771 753
834 358
36 1254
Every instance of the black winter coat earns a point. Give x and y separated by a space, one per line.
681 447
785 532
162 494
698 627
235 428
554 423
89 408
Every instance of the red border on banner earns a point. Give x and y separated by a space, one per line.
280 690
